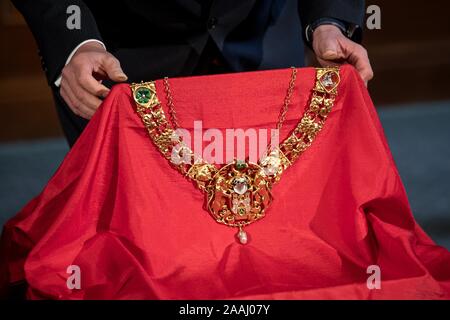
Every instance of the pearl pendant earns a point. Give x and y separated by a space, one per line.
242 236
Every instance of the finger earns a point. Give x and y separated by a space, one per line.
82 96
90 84
329 50
362 64
64 94
76 105
112 68
99 75
68 96
86 99
77 108
358 57
70 99
328 63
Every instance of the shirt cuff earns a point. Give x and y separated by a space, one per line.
58 81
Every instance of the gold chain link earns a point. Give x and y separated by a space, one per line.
287 99
283 111
172 112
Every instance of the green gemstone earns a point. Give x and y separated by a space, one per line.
240 165
144 91
143 95
241 211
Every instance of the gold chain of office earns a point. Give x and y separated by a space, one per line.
238 193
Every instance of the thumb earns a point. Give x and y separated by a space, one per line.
112 68
330 50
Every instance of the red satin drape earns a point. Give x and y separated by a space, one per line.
137 228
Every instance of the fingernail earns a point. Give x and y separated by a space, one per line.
122 76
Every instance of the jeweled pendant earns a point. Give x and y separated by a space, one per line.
238 198
242 236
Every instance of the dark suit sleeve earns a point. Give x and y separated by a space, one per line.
350 11
47 20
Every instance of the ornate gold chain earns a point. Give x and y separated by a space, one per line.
172 112
287 99
238 193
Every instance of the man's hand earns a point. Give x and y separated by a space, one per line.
332 47
81 78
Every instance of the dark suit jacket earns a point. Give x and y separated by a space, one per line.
160 38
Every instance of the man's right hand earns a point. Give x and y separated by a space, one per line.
81 78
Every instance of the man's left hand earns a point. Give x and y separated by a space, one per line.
333 48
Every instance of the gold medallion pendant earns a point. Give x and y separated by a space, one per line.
238 193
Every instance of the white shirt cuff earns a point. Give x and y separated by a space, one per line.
58 81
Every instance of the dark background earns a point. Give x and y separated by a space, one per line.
410 56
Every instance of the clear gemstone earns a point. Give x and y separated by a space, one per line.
271 164
329 80
240 185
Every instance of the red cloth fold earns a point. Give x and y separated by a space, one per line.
137 228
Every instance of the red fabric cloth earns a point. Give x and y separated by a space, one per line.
137 228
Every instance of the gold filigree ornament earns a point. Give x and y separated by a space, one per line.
238 193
